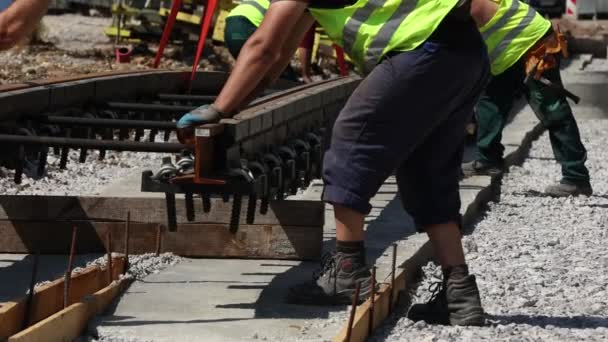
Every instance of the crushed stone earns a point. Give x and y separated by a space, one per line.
89 178
541 263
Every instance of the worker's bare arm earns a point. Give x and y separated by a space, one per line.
482 11
291 45
287 52
266 53
19 20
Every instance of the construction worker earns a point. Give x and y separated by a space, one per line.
396 119
19 19
517 38
245 18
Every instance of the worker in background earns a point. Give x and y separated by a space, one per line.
396 119
517 38
305 53
19 20
245 18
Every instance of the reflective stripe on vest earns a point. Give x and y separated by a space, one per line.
513 30
368 29
254 10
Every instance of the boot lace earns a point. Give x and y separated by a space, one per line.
328 263
436 288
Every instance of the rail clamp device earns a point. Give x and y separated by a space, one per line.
266 152
215 170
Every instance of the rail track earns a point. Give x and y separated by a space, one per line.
106 113
265 153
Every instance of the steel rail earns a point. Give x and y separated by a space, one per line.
186 97
106 123
150 107
94 144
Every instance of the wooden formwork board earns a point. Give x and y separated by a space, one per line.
190 240
404 277
289 230
48 298
69 323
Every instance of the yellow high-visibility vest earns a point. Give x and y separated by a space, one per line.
369 29
513 30
254 10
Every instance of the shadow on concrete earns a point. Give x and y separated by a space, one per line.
571 322
389 226
19 271
202 282
124 321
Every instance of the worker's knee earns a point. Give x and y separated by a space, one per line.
434 199
555 116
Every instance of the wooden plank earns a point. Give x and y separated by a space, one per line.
68 324
404 278
360 330
48 298
57 208
193 240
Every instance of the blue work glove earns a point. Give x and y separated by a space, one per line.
200 116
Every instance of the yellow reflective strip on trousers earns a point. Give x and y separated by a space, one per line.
514 29
254 10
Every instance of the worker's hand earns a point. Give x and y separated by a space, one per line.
200 116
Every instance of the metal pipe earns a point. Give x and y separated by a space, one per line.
171 211
127 236
150 107
190 215
353 310
110 270
393 269
372 302
106 123
185 97
78 143
30 296
158 239
68 273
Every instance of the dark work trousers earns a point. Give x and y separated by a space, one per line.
237 31
409 114
551 108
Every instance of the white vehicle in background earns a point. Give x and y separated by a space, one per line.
550 8
583 9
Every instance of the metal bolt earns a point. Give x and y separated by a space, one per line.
353 310
393 268
373 302
68 273
127 236
109 250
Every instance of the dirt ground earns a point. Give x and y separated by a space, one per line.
70 45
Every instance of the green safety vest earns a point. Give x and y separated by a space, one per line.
254 10
513 30
369 29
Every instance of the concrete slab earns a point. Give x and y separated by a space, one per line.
239 300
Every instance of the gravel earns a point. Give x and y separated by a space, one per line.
541 263
78 179
140 265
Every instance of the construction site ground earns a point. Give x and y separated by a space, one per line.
236 300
